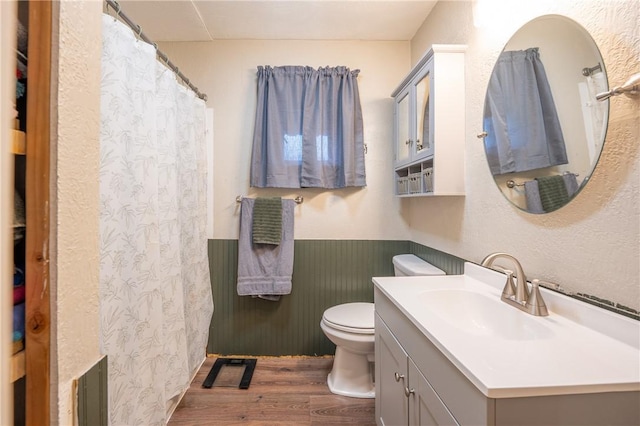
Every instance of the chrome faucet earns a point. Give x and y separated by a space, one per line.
520 297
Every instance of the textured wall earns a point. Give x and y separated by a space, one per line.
590 246
75 199
226 71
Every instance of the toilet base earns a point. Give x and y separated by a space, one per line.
351 375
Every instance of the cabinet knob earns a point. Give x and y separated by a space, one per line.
482 135
408 392
398 376
407 142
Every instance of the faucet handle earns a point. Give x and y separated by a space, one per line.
508 291
535 303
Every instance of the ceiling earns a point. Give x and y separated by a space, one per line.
189 20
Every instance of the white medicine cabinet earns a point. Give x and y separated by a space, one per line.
429 125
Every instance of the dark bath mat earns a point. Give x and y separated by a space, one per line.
231 372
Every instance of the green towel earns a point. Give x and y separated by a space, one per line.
267 220
553 192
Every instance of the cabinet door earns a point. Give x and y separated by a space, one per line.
392 408
423 88
425 407
402 132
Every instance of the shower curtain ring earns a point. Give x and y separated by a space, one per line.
139 30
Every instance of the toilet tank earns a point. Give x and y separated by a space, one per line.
410 265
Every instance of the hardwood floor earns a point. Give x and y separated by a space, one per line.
283 391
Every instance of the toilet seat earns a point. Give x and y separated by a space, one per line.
357 318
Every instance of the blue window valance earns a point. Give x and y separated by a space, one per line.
520 117
308 129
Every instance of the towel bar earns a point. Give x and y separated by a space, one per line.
298 199
511 183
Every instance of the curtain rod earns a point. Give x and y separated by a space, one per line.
138 30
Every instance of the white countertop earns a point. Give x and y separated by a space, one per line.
578 348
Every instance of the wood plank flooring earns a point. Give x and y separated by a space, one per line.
283 391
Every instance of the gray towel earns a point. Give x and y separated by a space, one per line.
532 195
571 183
267 220
265 270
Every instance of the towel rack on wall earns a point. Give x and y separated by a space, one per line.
298 199
511 183
631 88
591 70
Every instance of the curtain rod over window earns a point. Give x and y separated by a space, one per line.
138 30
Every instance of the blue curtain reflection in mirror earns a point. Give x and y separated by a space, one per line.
520 118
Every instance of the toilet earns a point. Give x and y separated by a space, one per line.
350 326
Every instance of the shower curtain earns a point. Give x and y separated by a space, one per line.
155 292
594 112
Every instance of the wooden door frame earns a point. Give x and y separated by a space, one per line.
38 308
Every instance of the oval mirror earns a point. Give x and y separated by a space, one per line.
543 128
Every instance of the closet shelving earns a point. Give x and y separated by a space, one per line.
18 148
18 142
19 229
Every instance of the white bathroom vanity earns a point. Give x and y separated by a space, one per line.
449 351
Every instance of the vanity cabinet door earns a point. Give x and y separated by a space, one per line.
403 136
425 407
392 406
423 111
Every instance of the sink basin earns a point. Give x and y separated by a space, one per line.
482 315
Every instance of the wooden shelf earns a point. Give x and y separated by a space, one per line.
18 145
17 365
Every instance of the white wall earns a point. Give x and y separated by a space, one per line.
74 260
226 71
591 245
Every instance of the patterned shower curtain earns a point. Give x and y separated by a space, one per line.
155 292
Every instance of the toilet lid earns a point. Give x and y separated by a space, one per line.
411 264
355 317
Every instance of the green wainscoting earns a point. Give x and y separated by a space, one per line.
93 404
449 263
325 273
